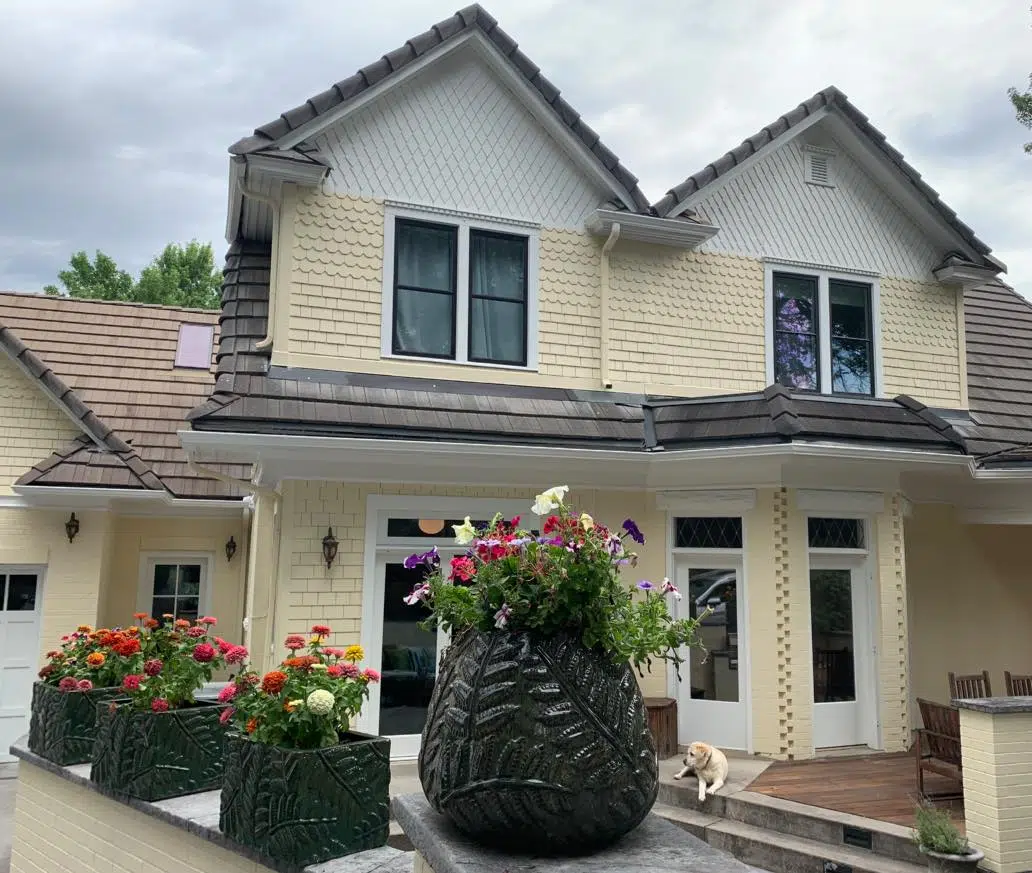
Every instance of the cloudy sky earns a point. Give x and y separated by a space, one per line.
115 115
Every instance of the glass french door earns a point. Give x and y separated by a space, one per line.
843 705
406 655
712 699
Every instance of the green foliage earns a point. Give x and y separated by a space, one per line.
935 832
91 658
1022 102
308 702
565 581
183 276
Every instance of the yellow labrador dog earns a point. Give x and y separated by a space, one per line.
709 765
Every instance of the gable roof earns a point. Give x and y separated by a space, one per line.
471 18
110 366
833 99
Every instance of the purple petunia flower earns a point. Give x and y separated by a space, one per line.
633 532
502 616
614 545
550 541
430 558
645 585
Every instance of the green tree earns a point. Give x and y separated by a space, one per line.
179 276
1022 101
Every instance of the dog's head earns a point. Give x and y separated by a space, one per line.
699 755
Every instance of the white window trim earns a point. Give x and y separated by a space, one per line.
823 274
464 222
145 586
37 570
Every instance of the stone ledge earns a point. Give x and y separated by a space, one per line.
199 815
655 846
996 705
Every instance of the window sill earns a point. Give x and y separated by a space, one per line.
451 362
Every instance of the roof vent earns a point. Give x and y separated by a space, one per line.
193 351
818 164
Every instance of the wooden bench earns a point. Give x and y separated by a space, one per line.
1017 685
972 686
937 749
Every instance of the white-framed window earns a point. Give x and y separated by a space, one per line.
823 330
175 583
459 288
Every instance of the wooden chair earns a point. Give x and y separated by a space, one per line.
937 749
1017 686
972 685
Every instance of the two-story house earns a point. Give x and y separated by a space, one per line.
797 371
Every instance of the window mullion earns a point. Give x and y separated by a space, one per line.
824 328
462 296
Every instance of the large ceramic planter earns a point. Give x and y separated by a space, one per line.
63 726
537 744
157 755
941 863
303 807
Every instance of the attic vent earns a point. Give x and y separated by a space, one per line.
193 350
818 164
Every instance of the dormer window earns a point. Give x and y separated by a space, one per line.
459 289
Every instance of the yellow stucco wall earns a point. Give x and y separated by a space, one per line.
685 323
31 426
970 601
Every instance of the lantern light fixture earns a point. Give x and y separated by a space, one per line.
72 527
329 547
231 548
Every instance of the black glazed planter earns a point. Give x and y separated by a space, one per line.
537 744
301 807
157 755
63 725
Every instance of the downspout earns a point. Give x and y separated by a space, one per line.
607 247
265 341
245 547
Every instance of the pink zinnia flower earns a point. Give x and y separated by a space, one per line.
159 704
333 653
85 685
223 645
236 655
227 693
335 670
152 667
350 670
204 653
294 642
370 675
68 684
208 619
227 714
132 682
196 632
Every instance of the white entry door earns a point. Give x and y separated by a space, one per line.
20 606
406 655
712 701
844 711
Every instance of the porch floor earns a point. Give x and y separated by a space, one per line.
882 786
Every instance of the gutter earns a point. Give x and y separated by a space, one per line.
604 288
266 341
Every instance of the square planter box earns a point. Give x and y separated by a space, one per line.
303 807
63 726
156 755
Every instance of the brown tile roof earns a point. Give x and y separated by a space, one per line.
833 99
473 17
112 366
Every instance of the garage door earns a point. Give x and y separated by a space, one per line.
21 601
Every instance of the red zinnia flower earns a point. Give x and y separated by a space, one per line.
208 619
350 670
227 714
46 671
227 693
140 616
294 642
370 675
127 648
335 670
252 725
151 623
320 630
152 667
224 647
68 684
159 704
204 653
196 632
236 655
132 682
133 631
248 679
273 682
85 685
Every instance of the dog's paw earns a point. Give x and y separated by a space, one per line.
677 775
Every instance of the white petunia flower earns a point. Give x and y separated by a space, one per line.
464 532
548 500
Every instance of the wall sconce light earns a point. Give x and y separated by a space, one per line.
230 549
431 526
329 547
72 527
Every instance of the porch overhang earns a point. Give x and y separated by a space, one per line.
124 501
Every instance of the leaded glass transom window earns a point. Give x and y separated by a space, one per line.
836 533
708 532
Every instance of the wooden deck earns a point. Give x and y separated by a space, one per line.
882 787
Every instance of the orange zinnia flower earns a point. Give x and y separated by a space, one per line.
252 725
140 616
182 622
95 659
273 682
151 623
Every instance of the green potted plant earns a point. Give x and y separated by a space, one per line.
299 786
88 668
160 741
537 735
939 840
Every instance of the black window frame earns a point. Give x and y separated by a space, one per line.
869 290
818 364
454 293
482 232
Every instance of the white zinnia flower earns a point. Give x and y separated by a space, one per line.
464 532
548 500
320 702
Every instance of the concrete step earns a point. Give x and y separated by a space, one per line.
685 794
691 820
784 853
823 825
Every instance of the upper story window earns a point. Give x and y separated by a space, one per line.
459 289
822 332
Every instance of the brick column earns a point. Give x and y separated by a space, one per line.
996 748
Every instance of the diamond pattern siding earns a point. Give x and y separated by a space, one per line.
462 140
708 533
835 533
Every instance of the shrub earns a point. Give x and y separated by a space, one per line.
91 658
935 832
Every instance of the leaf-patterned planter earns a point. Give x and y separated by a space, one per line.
537 743
63 726
303 807
157 755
